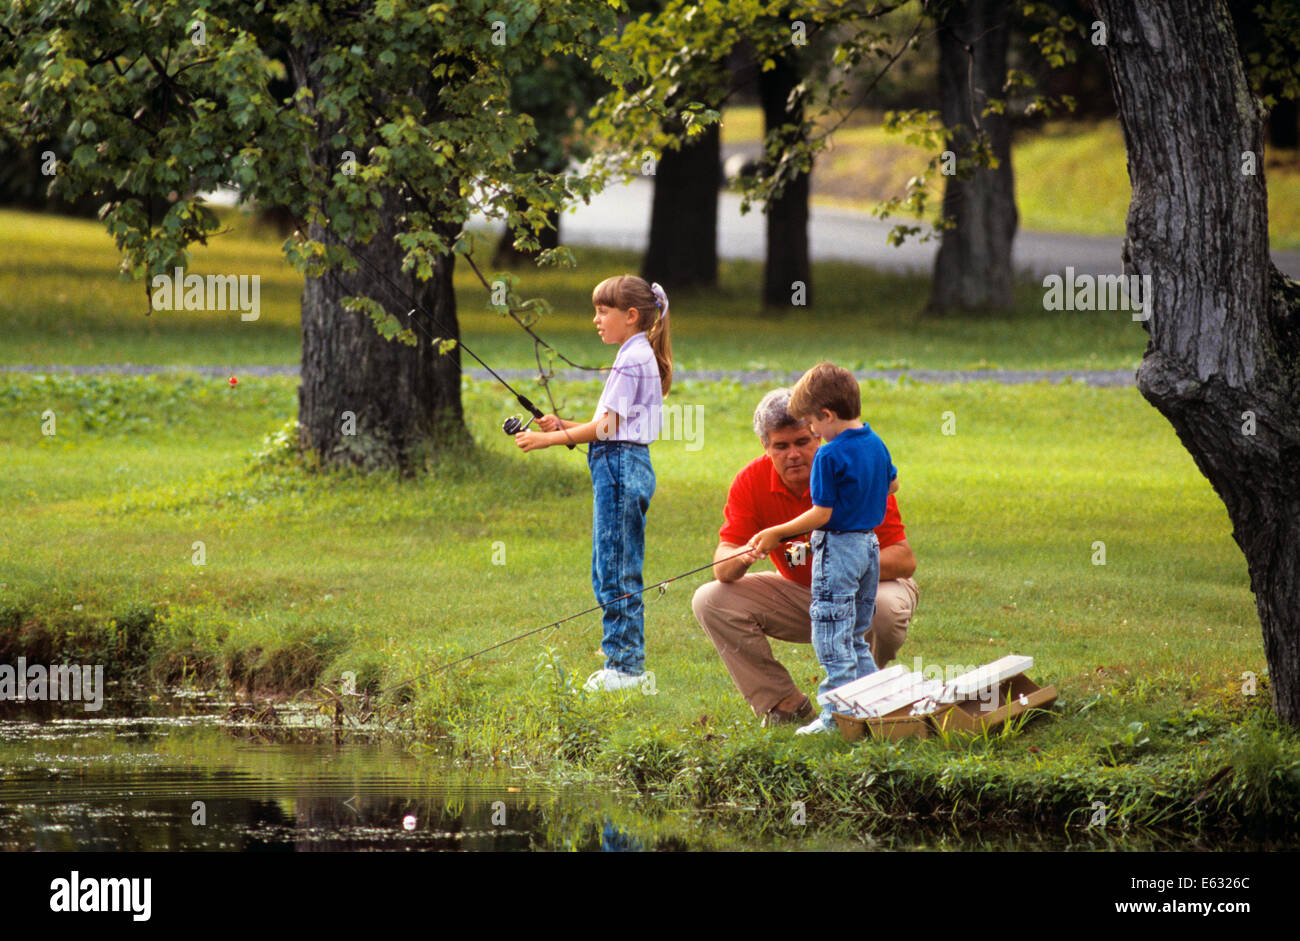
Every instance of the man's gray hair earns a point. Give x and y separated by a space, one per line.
772 415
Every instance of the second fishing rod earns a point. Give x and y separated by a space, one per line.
600 606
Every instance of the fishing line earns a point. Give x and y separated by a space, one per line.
537 341
512 425
662 586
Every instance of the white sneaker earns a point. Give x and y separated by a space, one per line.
818 726
607 680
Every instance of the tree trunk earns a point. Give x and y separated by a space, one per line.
365 400
683 249
1223 360
973 269
787 274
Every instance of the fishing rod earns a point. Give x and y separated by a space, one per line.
529 330
661 586
513 424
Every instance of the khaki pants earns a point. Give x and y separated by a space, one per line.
740 616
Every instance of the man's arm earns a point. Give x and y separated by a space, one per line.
896 561
733 569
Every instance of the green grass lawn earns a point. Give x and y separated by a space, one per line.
308 574
62 303
390 578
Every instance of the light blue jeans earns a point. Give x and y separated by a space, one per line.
846 571
622 483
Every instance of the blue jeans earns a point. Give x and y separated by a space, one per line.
622 483
846 570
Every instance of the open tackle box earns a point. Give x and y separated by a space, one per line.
897 702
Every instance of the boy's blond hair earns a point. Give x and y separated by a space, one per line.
826 386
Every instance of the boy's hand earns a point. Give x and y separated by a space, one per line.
763 542
531 440
549 423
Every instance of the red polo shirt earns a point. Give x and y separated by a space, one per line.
759 498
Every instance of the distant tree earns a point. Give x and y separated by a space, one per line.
1268 35
684 48
973 269
683 244
787 269
684 166
25 184
557 96
969 139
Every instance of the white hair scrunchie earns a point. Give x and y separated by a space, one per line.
661 300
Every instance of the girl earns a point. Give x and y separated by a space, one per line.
633 315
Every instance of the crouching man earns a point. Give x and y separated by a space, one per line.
741 610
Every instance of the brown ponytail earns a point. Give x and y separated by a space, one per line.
626 291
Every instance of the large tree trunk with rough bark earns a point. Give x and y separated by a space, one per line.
973 270
365 400
787 273
1223 360
683 249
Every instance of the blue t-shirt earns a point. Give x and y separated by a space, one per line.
851 475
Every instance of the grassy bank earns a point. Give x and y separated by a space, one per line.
306 575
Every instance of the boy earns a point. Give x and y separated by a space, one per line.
851 477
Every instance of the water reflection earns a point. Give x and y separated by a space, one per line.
179 773
134 815
195 772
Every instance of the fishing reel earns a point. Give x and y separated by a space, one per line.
797 553
515 424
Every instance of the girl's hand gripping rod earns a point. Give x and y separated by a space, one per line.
515 423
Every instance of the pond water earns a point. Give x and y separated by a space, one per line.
195 772
185 771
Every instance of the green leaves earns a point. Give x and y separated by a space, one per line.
389 327
1273 62
1054 34
561 257
403 97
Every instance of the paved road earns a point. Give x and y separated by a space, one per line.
1092 377
620 218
